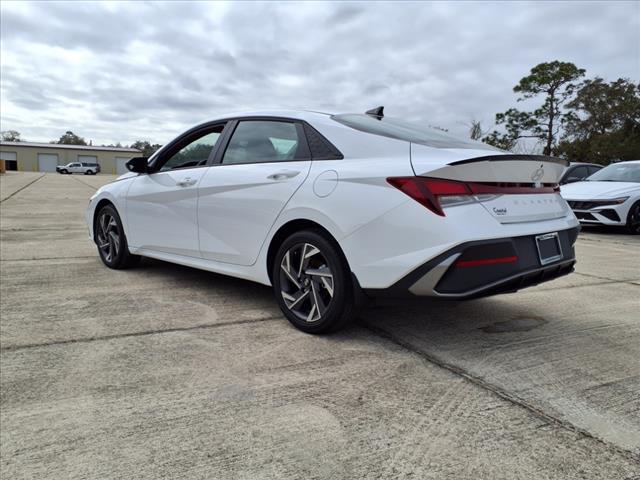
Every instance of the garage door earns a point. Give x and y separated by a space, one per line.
47 162
121 165
10 160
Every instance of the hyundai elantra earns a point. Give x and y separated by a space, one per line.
331 210
610 196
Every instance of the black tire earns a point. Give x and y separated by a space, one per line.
113 253
328 284
633 219
63 171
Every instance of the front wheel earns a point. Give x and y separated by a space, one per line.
111 241
312 282
63 171
633 219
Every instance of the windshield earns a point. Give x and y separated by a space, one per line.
617 172
408 131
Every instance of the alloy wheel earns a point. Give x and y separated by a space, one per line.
108 236
306 281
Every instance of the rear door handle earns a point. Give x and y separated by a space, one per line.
186 182
283 174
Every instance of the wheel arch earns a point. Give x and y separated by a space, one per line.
102 203
290 228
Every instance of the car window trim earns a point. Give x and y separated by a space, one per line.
299 130
230 123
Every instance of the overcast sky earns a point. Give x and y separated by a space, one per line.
125 71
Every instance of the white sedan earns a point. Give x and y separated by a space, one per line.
610 196
331 210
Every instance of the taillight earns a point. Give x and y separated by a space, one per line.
430 191
436 193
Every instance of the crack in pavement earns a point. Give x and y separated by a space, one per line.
44 258
500 392
607 241
22 188
47 228
85 184
14 348
611 280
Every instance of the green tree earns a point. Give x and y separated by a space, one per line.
554 82
602 107
504 142
10 136
70 138
145 147
604 124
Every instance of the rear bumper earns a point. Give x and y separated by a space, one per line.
444 277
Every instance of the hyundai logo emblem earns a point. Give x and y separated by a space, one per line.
537 175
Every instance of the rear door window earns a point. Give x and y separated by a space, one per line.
262 141
579 172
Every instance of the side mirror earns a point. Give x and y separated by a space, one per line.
138 165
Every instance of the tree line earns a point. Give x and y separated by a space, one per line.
70 138
587 120
573 117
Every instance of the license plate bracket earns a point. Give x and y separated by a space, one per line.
549 248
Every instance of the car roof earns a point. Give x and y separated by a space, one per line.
308 115
578 164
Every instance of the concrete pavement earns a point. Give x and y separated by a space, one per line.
165 371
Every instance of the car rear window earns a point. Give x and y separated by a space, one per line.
408 131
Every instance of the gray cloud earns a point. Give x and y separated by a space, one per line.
119 72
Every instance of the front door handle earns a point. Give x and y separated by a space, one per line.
186 182
283 174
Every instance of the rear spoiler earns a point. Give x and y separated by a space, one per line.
512 157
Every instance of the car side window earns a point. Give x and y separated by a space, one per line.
261 141
593 170
195 153
579 172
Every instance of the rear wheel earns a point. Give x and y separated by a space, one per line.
633 219
312 282
111 241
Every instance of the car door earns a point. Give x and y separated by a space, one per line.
161 206
75 168
254 175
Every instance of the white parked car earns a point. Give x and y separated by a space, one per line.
79 167
333 209
610 196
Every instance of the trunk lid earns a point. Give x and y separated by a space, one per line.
518 180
